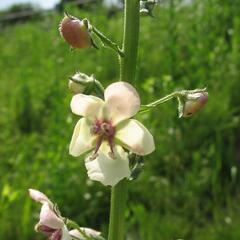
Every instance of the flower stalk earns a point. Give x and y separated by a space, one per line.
118 205
189 101
107 42
130 40
148 107
127 73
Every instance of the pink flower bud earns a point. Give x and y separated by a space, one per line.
75 32
194 102
38 196
50 222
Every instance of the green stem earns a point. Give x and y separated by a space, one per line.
177 94
130 40
164 99
107 42
146 108
74 225
127 73
118 204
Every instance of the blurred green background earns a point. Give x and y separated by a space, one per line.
189 188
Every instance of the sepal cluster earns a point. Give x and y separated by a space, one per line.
82 83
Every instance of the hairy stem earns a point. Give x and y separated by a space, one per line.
130 41
127 73
118 205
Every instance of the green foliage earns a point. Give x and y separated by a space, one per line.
189 186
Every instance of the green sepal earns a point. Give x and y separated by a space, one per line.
138 163
147 7
180 106
91 84
105 41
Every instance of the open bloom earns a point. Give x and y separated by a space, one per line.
106 128
50 223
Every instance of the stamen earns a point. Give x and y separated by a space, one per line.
94 156
99 142
105 127
57 235
104 131
95 129
111 154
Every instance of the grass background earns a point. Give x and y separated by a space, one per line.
190 185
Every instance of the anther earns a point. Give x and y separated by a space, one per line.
94 156
105 127
112 155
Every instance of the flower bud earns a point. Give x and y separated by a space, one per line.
80 82
75 32
146 7
38 196
191 102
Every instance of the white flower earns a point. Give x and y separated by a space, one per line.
49 223
106 128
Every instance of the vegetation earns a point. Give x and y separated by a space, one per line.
189 187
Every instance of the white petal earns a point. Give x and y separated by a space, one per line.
87 106
65 234
89 232
82 139
49 218
107 170
38 196
135 137
122 101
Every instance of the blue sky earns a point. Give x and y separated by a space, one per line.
46 4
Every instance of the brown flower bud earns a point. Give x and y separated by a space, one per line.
75 32
194 102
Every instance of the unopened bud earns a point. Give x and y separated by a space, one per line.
191 102
146 7
75 32
79 82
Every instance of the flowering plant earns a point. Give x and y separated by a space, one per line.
106 129
114 142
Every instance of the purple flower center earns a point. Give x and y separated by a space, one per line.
52 234
105 131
